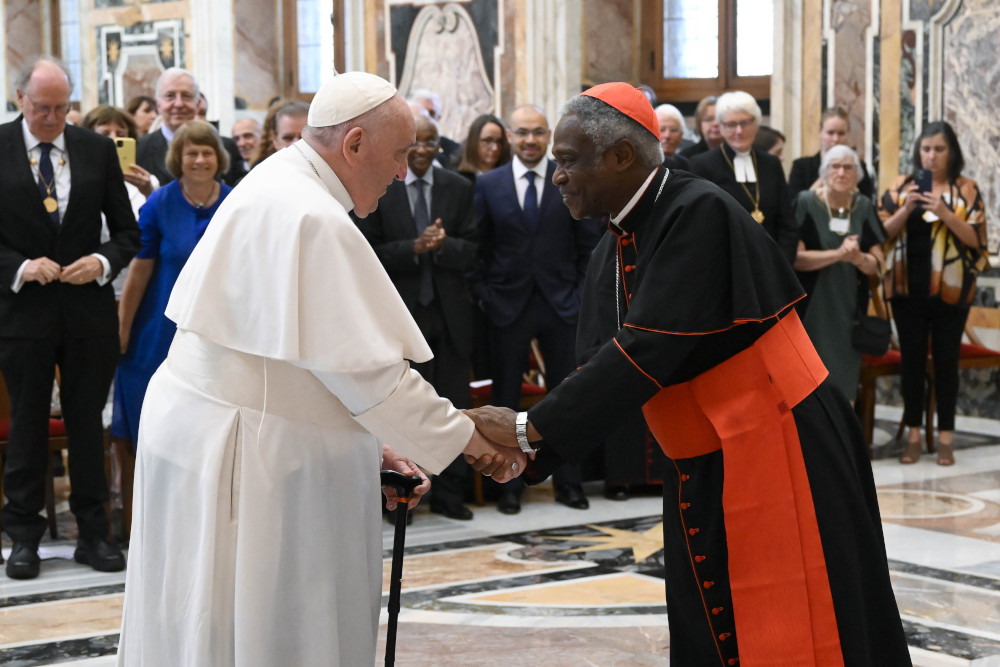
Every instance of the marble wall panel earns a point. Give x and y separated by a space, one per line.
258 69
609 49
972 96
849 19
23 32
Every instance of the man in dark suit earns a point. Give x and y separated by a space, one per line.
421 232
177 97
529 277
57 308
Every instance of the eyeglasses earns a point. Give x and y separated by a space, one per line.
524 133
425 144
45 109
742 124
491 141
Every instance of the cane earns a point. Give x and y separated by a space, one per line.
404 489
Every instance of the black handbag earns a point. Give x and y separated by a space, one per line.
871 333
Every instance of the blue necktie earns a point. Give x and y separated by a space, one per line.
531 202
423 220
47 179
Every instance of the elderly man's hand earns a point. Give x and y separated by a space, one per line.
495 423
391 460
82 271
493 460
430 239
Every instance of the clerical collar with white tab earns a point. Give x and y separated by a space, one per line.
743 166
31 141
634 200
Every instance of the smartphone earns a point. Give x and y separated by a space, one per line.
922 177
126 153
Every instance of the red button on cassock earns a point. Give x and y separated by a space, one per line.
707 584
717 610
698 559
693 531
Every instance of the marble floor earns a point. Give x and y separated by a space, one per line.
556 586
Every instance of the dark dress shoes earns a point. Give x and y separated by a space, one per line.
452 510
616 492
100 554
571 495
509 502
23 562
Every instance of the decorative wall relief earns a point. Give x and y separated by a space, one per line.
449 48
971 96
133 58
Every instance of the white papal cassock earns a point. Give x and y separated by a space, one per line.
256 535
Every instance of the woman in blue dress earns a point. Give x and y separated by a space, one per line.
172 221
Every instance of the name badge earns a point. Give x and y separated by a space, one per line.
839 225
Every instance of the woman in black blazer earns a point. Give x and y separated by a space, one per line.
753 177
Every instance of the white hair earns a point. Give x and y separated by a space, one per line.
670 111
836 153
737 100
175 72
430 96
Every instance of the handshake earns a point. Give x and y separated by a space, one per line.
493 449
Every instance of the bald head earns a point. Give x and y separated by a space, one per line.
529 134
246 133
43 93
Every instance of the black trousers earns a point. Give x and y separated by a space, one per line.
920 321
86 366
449 373
511 346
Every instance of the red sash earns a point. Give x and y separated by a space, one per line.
781 594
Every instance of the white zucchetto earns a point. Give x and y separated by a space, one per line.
347 96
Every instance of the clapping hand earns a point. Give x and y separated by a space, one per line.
394 461
850 250
431 238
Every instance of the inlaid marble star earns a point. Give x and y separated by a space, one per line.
166 48
113 52
643 545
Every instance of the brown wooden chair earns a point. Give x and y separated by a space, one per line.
57 443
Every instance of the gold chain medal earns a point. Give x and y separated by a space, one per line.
757 215
50 204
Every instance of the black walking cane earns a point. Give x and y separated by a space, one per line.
404 489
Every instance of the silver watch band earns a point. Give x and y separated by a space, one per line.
521 430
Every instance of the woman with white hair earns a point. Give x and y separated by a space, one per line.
840 247
753 177
671 133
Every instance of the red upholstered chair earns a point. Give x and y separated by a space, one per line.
57 443
973 354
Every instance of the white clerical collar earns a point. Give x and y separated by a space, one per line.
31 141
743 165
635 198
520 169
427 178
325 172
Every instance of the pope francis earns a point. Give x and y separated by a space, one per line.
256 537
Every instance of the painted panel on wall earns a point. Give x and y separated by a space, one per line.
609 34
132 58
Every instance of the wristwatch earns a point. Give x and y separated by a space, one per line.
521 430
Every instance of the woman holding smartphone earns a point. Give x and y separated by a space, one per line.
935 225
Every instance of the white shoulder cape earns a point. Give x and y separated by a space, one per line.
282 272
